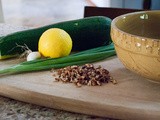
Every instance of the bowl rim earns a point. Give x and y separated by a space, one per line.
113 23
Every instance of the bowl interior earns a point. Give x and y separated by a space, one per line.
144 24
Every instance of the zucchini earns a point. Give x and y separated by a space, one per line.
86 33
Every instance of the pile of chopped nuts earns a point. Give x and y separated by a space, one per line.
84 75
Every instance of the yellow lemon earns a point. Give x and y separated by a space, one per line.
55 43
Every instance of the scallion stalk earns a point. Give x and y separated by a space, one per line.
87 56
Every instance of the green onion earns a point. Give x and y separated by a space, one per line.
80 58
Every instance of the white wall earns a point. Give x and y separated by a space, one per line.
135 4
155 4
109 3
1 12
117 3
102 3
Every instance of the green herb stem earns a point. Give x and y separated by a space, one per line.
80 58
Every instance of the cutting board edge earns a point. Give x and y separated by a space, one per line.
64 104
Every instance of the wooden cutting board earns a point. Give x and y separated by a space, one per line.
134 97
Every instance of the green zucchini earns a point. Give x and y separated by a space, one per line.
86 33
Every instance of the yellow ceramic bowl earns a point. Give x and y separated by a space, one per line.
136 37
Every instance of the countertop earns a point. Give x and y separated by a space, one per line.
15 110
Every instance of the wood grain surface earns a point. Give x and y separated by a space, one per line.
134 97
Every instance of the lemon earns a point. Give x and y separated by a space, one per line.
55 43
